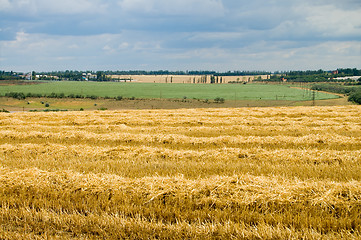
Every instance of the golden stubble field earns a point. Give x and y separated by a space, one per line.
247 173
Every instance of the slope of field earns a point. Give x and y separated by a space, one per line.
251 173
179 91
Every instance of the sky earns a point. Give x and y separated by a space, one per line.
217 35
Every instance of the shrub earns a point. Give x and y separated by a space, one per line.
36 95
16 95
52 95
119 98
47 105
55 110
219 100
335 88
92 97
355 97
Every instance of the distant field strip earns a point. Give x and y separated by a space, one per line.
250 173
175 90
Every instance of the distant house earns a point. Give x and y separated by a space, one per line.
88 76
91 76
28 76
283 79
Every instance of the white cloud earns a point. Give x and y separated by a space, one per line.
331 21
175 7
205 36
123 45
180 34
47 7
5 5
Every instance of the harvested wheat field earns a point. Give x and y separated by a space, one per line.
250 173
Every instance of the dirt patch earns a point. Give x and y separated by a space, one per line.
17 82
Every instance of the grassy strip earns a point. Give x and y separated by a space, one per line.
353 92
173 91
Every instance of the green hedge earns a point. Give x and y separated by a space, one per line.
355 97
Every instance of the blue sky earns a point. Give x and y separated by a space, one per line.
219 35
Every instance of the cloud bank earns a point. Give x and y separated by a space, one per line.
221 35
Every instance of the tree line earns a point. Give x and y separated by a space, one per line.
292 76
9 75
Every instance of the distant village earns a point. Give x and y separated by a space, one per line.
339 75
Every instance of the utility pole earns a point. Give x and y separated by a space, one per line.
313 98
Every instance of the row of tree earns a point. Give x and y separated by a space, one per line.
9 75
315 76
293 76
340 72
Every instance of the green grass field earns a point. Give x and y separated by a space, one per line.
154 90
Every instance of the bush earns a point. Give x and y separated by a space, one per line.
16 95
92 97
118 98
4 110
55 110
335 88
52 95
355 97
34 95
47 105
55 95
219 100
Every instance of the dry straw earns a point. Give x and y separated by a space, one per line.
252 173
